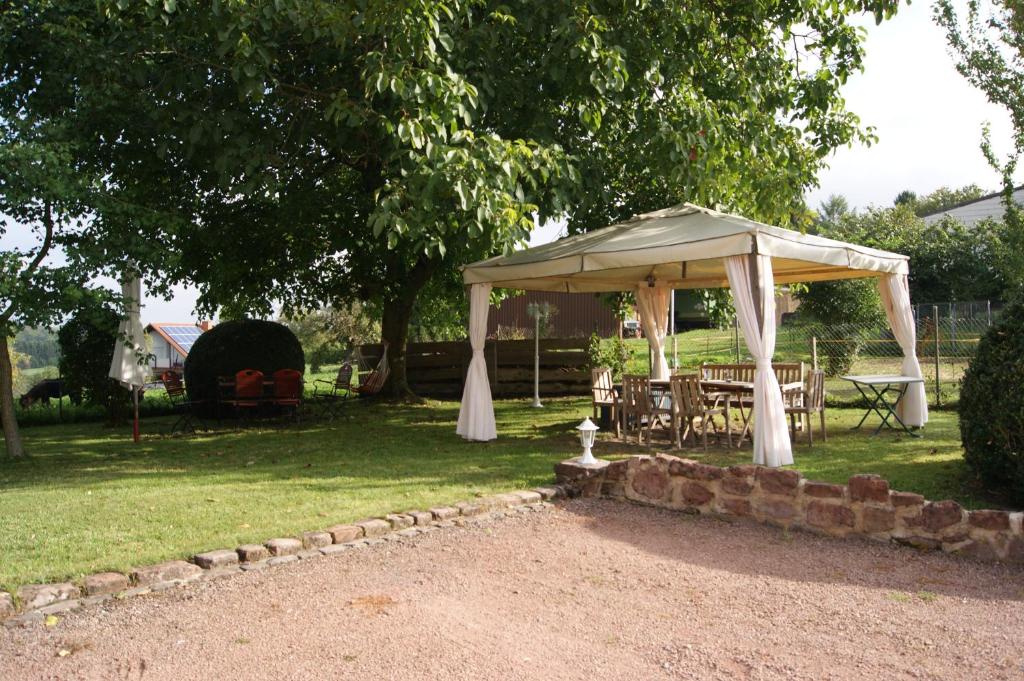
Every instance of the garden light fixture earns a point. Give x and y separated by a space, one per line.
588 431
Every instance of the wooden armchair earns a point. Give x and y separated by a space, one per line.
690 402
812 401
791 372
603 394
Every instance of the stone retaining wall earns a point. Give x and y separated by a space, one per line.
865 506
32 603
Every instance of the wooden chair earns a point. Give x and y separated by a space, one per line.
812 400
330 396
689 402
639 410
790 372
603 394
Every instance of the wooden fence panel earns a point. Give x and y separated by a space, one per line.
439 369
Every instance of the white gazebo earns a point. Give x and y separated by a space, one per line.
682 247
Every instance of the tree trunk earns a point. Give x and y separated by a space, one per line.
394 329
394 326
12 437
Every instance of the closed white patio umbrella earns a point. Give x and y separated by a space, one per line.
128 366
685 247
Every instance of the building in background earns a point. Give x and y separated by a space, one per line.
575 315
170 343
581 314
973 212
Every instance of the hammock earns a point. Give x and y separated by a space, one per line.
374 381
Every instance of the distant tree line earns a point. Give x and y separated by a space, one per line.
39 346
948 260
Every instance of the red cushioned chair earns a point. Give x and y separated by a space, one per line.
288 391
248 391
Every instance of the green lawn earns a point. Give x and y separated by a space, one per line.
89 500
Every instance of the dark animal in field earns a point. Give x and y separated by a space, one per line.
44 390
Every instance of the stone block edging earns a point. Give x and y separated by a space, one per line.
31 603
865 506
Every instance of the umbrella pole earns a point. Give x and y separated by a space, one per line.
135 423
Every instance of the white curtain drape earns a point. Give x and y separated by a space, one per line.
771 437
476 414
895 292
653 302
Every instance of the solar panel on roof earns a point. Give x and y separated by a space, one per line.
184 336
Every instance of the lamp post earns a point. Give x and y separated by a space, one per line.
537 310
588 431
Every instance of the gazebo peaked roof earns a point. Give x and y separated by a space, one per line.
682 247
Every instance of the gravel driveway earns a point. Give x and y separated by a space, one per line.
590 589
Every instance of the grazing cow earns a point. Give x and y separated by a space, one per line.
44 390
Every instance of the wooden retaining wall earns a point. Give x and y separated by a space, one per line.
439 369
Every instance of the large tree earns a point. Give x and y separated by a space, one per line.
312 151
43 201
987 41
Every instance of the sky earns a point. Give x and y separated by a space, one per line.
927 117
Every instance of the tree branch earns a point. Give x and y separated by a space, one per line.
44 249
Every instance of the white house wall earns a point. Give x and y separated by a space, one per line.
972 213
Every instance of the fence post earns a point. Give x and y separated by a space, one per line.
814 352
938 384
952 329
496 364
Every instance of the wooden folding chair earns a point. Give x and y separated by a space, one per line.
690 402
812 402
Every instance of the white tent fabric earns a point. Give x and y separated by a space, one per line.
895 292
771 437
653 302
130 347
681 247
476 414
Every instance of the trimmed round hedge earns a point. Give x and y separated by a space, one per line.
992 406
239 344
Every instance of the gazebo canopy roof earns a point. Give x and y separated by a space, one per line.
681 247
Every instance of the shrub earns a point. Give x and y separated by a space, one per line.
239 344
612 353
86 349
992 406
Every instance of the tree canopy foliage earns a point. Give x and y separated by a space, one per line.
314 151
948 260
44 200
944 198
987 40
86 343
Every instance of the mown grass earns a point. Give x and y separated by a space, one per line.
89 500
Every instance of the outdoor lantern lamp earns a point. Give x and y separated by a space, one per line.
588 431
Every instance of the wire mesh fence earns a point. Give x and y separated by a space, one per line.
945 345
